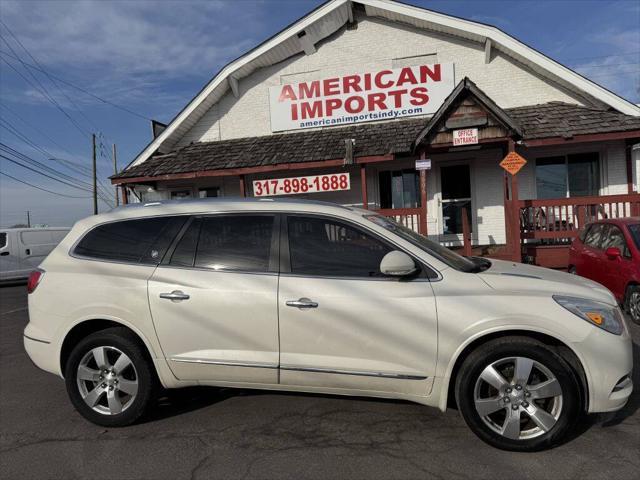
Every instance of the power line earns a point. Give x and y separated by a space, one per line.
86 92
45 95
17 40
41 188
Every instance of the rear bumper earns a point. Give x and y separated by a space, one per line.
41 352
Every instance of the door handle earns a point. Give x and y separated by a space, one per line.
302 303
28 251
176 295
4 254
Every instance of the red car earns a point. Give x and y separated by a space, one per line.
608 251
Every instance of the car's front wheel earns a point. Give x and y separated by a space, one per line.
109 378
519 394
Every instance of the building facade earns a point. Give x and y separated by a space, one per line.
408 112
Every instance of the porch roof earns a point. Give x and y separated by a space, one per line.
549 120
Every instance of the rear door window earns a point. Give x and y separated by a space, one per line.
3 239
132 241
228 243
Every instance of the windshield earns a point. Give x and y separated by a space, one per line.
432 248
635 233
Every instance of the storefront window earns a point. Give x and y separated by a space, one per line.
210 192
568 176
399 189
456 197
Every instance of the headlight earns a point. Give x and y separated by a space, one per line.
599 314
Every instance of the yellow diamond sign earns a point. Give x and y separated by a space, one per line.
512 163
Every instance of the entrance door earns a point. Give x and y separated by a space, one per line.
342 324
214 300
455 184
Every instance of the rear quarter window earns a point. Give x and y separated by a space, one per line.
36 238
3 239
132 241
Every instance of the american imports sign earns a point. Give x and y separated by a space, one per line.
361 97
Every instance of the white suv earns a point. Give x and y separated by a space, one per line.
314 297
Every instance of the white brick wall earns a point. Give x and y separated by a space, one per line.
375 44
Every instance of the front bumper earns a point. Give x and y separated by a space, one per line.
608 363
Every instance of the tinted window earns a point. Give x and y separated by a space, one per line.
635 233
593 236
240 242
613 237
3 240
319 246
584 174
135 241
551 177
185 252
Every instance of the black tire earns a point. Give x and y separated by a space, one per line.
506 347
634 311
143 372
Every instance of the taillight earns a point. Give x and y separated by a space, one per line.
34 279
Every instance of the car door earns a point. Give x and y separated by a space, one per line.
616 271
10 263
591 253
342 324
214 300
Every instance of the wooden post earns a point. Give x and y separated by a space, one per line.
629 165
242 187
466 234
125 195
363 182
515 214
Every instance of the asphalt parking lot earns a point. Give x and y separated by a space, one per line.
212 433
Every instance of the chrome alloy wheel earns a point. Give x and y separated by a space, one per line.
634 306
518 398
107 380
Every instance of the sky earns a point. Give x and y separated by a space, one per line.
149 58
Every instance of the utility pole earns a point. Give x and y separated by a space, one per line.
95 177
115 170
28 219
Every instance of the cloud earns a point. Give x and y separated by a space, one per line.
619 73
127 50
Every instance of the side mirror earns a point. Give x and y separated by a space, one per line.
613 253
397 264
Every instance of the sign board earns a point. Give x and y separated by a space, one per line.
423 164
361 97
292 186
467 136
512 163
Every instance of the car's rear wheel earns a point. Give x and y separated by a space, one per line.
632 300
519 394
109 378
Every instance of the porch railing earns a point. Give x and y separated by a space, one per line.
559 220
409 217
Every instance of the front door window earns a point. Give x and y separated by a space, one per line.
456 196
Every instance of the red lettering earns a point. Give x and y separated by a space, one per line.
406 76
311 110
331 86
348 104
351 82
419 96
333 104
378 79
309 90
287 93
294 111
376 99
435 74
397 97
367 81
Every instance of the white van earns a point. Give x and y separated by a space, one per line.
23 249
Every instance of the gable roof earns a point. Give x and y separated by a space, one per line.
463 90
331 16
